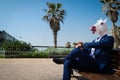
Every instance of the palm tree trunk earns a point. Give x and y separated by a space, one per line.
114 33
55 39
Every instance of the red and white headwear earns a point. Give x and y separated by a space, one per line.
100 27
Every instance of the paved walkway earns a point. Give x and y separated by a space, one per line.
30 69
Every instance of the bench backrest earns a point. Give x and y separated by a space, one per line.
115 55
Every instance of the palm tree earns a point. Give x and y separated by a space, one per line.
111 8
54 15
68 45
118 33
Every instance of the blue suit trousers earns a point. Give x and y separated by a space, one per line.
78 59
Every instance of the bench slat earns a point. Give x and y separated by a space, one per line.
95 76
115 56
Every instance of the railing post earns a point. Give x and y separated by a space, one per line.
4 53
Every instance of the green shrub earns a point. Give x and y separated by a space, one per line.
41 54
1 56
26 55
47 53
57 51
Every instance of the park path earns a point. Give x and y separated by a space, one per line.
30 69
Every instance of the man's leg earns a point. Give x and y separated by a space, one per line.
78 59
67 70
68 66
70 63
71 55
86 62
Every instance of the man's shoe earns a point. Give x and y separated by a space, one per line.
58 60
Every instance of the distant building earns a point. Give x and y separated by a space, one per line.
4 36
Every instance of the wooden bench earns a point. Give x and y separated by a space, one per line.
115 55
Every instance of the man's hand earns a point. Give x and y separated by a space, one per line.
79 45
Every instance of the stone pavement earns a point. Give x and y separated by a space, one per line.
30 69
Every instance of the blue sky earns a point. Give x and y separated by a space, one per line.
23 20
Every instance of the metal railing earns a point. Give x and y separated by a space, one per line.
17 54
10 54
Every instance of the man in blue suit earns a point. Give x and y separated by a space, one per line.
93 56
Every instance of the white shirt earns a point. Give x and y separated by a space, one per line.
93 49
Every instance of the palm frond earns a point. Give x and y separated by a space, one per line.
46 18
59 5
54 15
102 1
45 10
61 20
55 25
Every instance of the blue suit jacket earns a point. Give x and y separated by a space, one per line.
102 50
